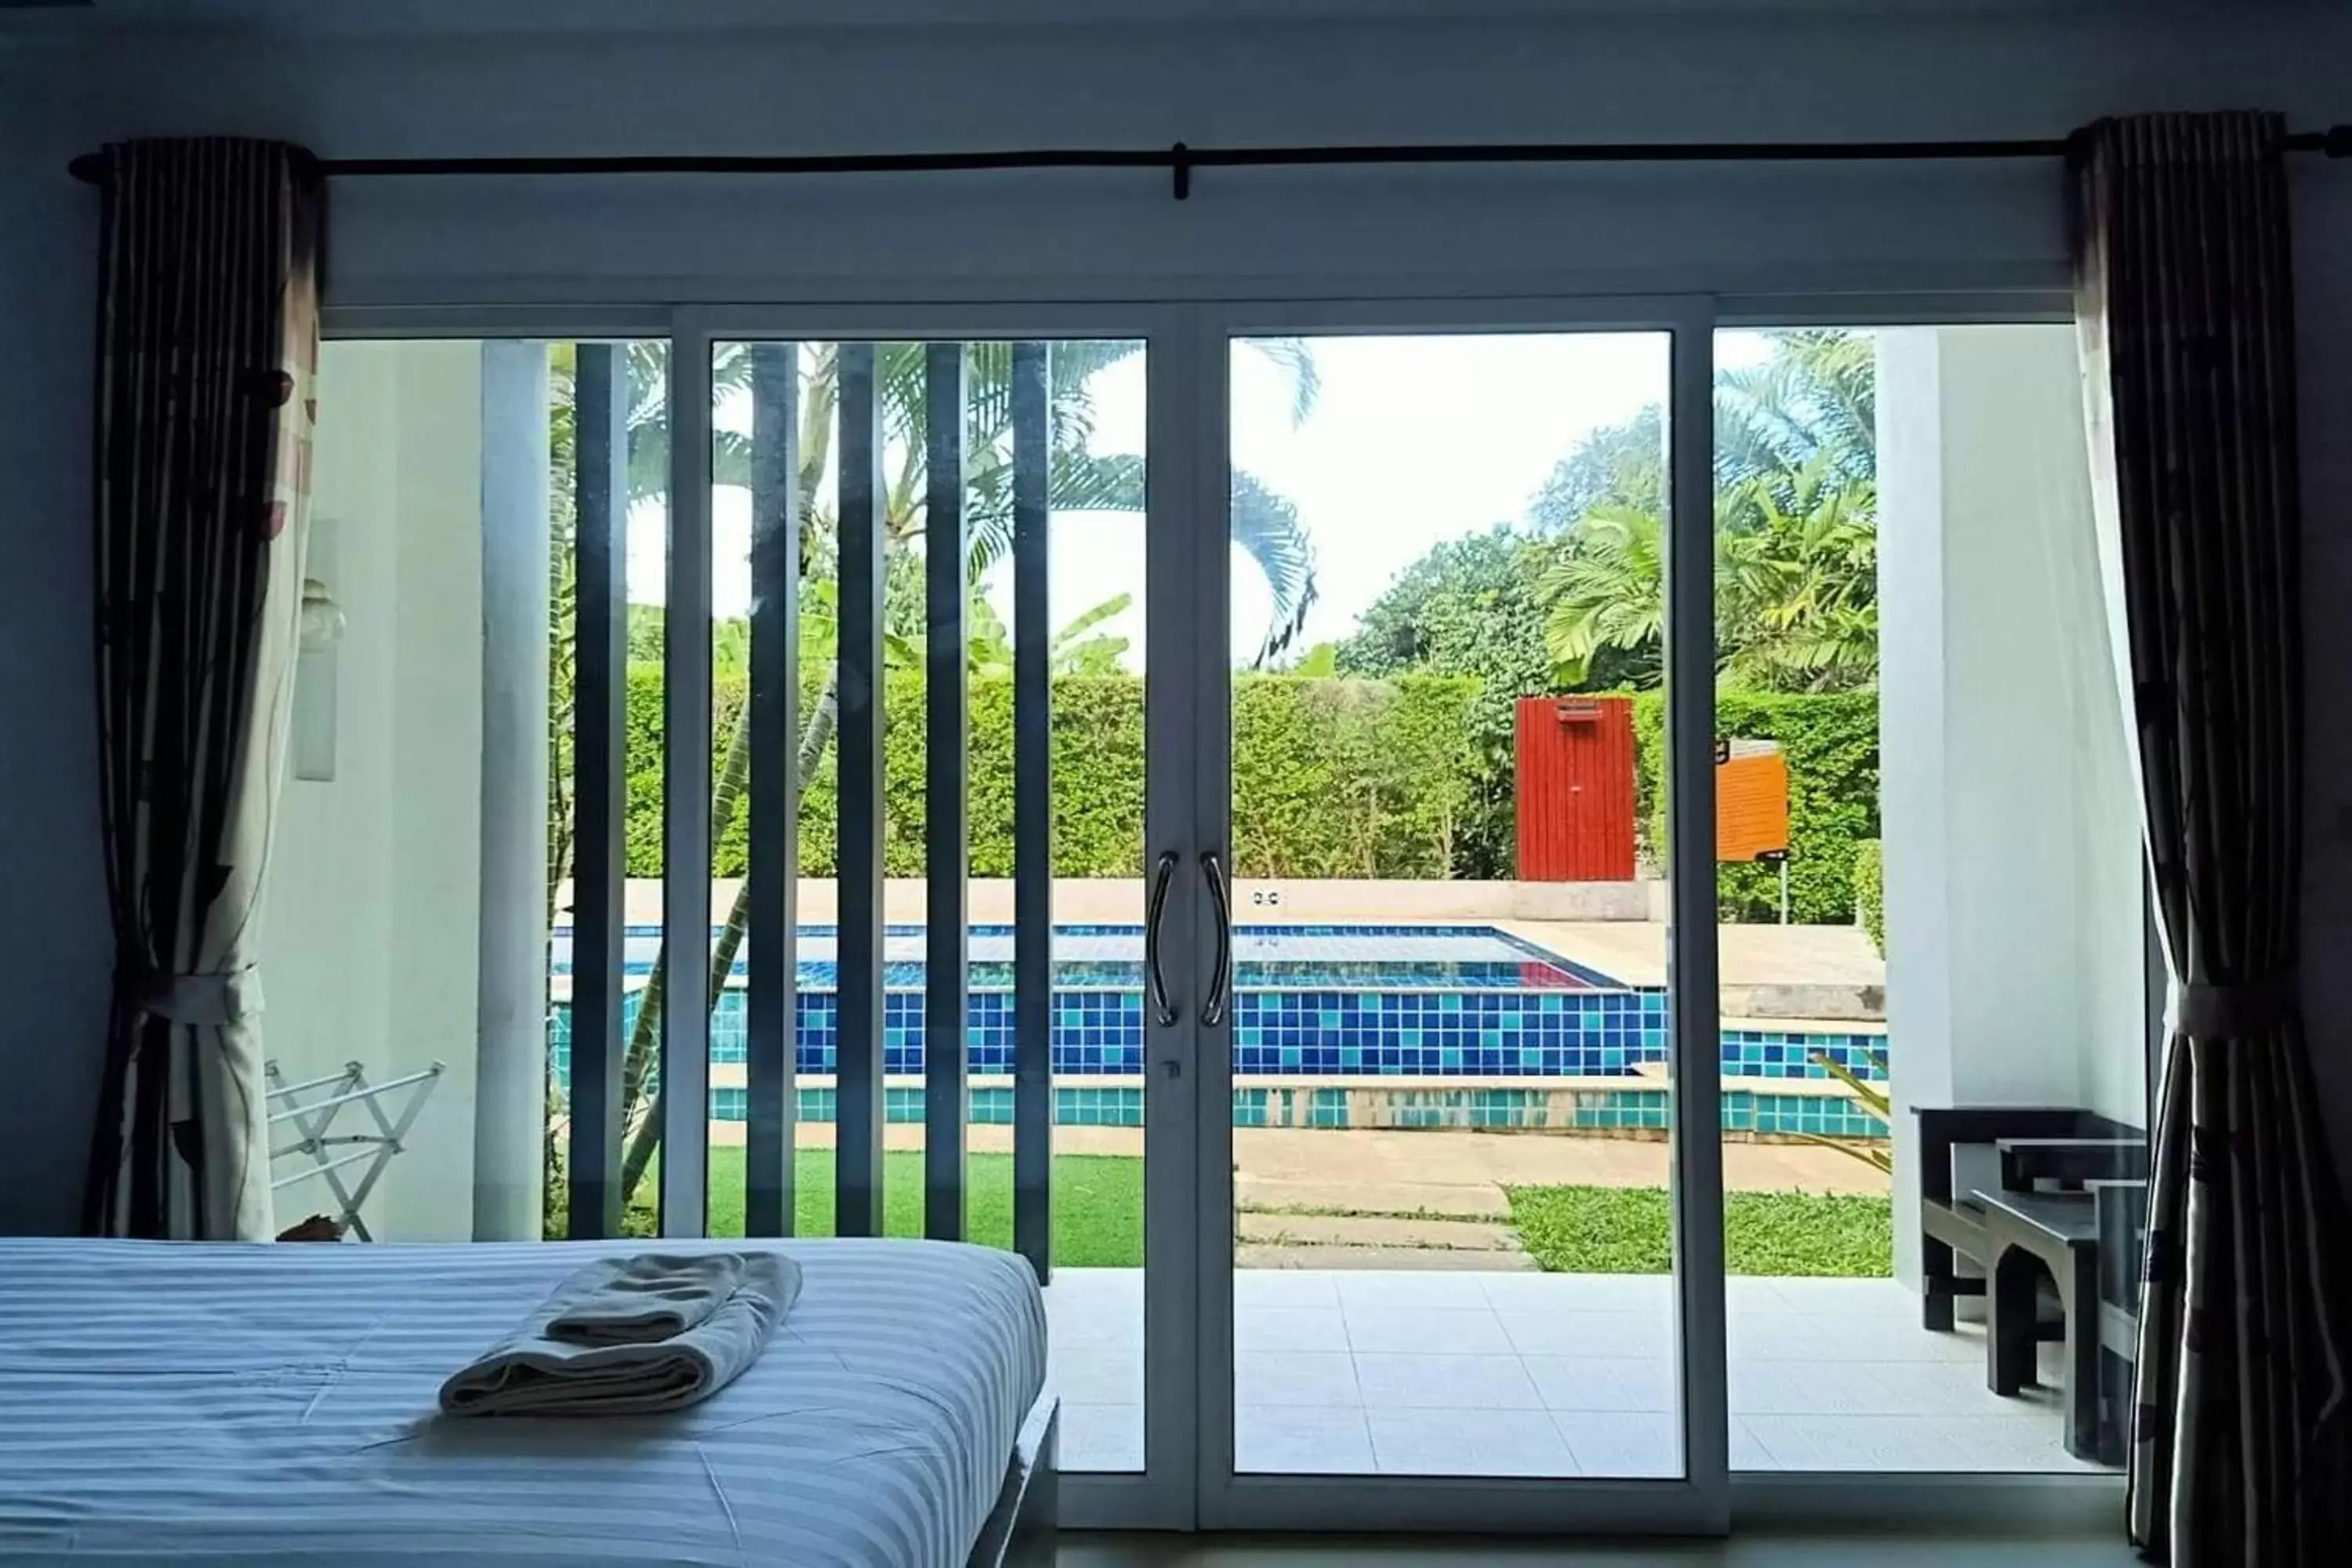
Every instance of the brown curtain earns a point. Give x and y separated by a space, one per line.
208 340
2185 302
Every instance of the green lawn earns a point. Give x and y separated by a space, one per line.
1098 1217
1627 1230
1097 1201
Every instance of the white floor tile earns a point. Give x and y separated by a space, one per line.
1426 1329
1646 1335
1295 1377
1395 1290
1888 1300
1285 1288
1752 1293
1748 1450
2034 1444
1829 1335
1806 1388
1468 1443
1602 1382
1410 1381
1093 1322
1088 1374
1891 1443
1302 1440
1290 1329
1636 1444
1102 1436
1580 1292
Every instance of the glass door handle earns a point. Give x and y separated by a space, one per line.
1162 1009
1213 1011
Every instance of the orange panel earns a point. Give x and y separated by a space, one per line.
1752 807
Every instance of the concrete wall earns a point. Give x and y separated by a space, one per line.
2014 917
1782 239
371 934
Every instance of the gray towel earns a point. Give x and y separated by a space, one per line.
538 1373
652 1296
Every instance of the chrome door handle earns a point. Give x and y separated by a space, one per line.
1161 1008
1213 1011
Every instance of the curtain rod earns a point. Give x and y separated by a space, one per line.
1181 160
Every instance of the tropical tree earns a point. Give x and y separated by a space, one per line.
1264 524
1796 592
1795 513
1472 606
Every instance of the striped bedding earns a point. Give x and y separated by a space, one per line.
274 1404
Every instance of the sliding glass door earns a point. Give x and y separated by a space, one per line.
1458 1212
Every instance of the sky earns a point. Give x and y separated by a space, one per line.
1413 441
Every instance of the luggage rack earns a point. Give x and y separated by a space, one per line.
331 1153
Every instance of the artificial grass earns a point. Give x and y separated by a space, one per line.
1628 1230
1097 1201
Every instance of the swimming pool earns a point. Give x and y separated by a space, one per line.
1324 1001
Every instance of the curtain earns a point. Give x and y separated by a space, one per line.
2185 305
208 338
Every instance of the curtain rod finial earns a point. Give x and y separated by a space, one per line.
89 168
2338 142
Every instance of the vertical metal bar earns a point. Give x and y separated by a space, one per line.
1033 816
946 995
1188 1095
600 456
772 794
857 1092
1697 1026
686 795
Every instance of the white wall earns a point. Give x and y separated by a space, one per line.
1801 233
370 938
2015 968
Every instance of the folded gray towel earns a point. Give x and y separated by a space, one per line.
652 1296
537 1374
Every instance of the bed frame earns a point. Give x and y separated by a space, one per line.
1019 1532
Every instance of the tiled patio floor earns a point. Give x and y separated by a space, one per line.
1549 1374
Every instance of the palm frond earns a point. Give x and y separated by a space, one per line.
1266 525
1296 357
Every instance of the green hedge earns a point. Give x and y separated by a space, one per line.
1870 891
1831 745
1331 778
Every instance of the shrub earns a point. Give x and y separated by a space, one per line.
1870 891
1332 777
1830 741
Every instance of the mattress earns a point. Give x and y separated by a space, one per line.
276 1404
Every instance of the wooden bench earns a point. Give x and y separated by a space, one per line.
1950 1226
2074 1237
2066 1199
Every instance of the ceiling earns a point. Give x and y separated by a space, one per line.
364 19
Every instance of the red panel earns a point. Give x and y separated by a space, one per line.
1575 778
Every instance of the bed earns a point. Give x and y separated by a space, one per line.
274 1404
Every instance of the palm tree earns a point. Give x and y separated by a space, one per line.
1262 523
1795 527
1796 588
1814 405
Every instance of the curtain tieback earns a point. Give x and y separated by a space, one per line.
2224 1012
208 1000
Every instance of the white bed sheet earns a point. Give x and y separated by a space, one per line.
274 1403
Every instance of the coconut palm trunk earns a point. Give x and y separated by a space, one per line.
816 737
